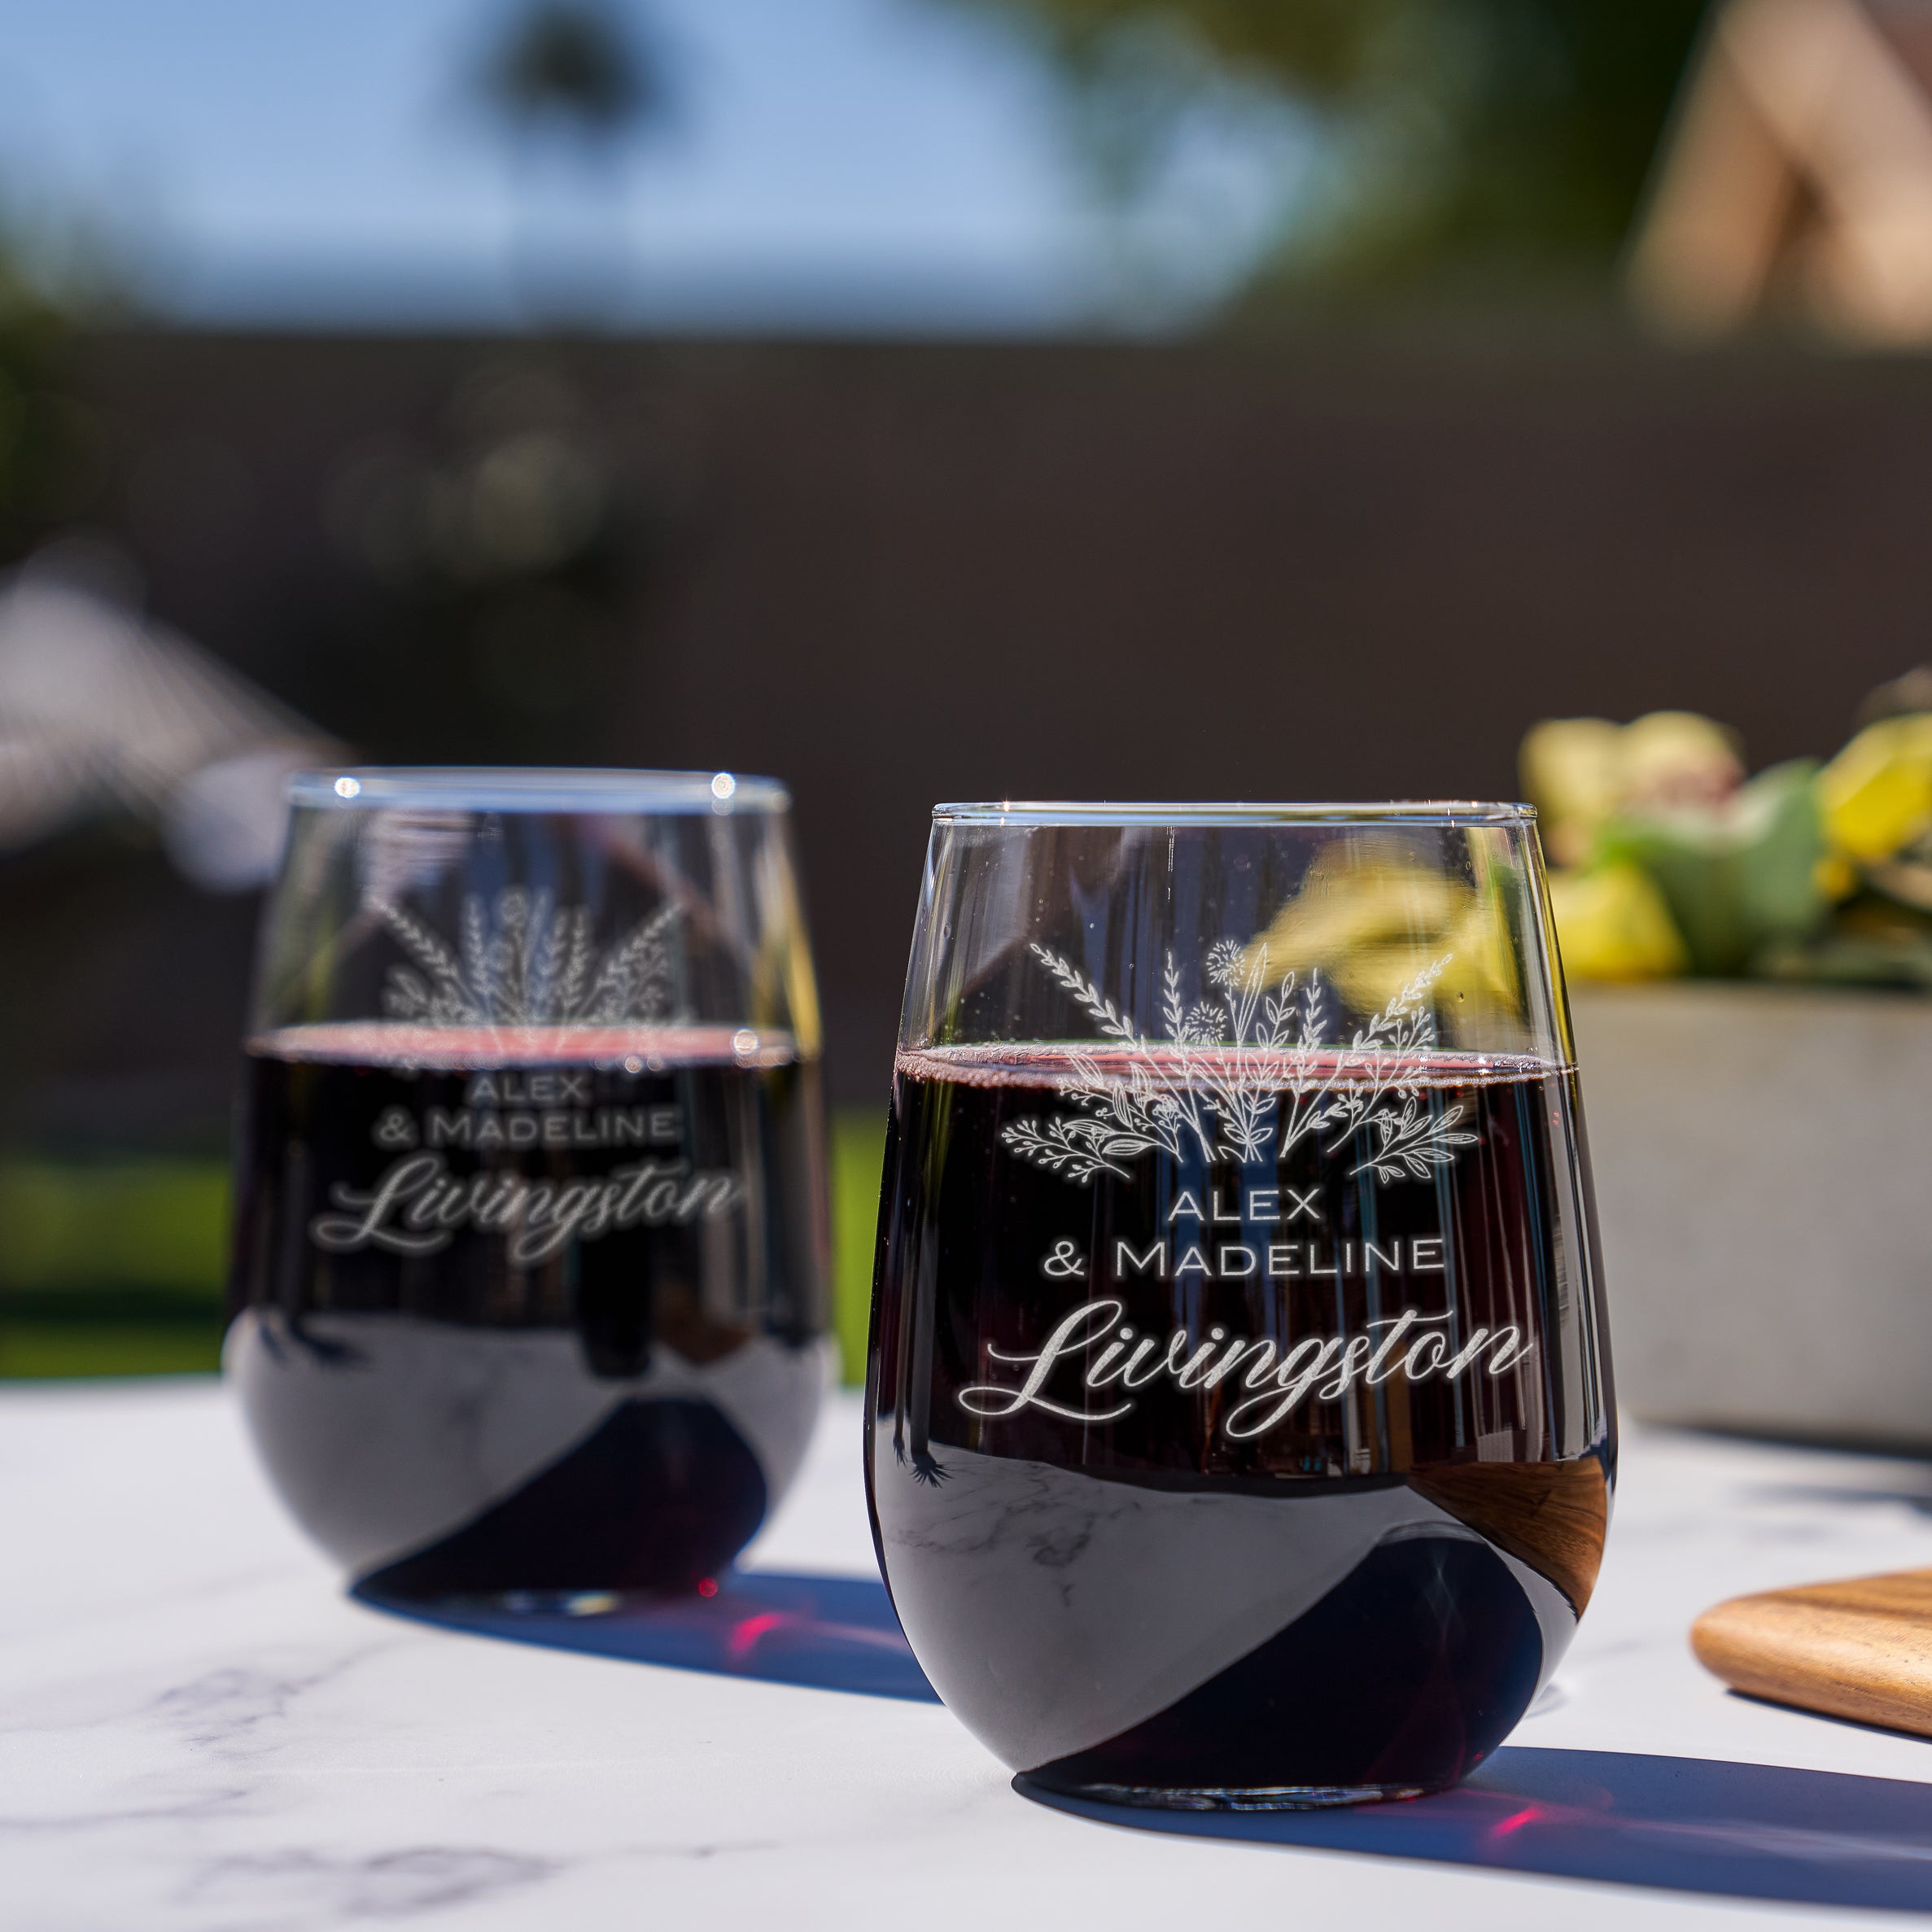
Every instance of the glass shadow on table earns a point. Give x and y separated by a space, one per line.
825 1633
1693 1824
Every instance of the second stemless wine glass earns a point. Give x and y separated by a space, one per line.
531 1285
1239 1421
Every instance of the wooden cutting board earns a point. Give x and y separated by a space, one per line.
1859 1649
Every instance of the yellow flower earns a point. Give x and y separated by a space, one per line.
1613 925
1876 794
1573 769
1835 877
1581 771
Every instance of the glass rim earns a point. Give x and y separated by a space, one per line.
535 788
1180 815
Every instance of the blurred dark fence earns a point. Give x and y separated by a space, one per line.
896 574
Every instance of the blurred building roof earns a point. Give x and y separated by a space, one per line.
103 712
1799 175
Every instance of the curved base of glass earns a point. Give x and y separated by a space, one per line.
1218 1798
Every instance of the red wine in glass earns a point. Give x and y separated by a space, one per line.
1239 1424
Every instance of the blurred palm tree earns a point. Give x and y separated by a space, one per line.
572 85
573 69
1504 139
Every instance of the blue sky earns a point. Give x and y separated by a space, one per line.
897 164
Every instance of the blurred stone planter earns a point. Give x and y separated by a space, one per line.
1764 1166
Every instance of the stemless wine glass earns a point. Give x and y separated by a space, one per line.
1239 1421
530 1289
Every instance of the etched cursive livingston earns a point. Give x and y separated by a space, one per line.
418 1204
1418 1346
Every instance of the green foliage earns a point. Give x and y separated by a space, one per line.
1870 944
1736 882
1511 134
44 431
1671 865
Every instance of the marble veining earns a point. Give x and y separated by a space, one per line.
200 1733
300 1887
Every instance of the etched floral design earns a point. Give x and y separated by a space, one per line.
526 963
1246 1072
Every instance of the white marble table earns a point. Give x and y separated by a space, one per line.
198 1729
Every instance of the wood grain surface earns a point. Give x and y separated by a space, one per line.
1861 1648
1550 1515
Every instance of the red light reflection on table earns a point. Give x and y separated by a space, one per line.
746 1633
1515 1822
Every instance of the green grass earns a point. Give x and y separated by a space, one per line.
112 1268
149 1224
32 1350
117 1269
